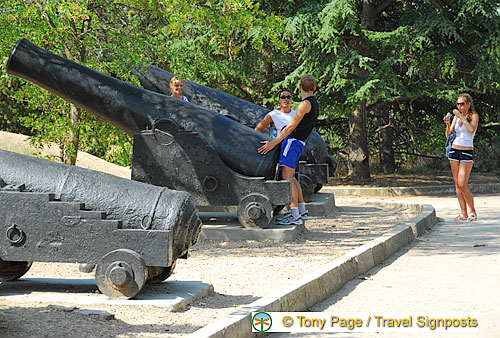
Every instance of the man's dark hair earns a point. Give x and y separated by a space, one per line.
283 90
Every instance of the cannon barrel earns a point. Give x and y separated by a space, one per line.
138 205
133 109
245 112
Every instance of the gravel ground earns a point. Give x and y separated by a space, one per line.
240 272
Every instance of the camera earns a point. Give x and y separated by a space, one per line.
449 116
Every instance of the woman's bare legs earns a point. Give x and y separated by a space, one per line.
461 172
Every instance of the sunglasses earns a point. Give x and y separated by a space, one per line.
285 97
460 104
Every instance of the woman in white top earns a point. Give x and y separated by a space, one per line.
176 86
461 155
279 117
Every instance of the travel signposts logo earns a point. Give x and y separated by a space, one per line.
261 322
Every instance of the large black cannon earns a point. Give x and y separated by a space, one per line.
131 231
245 112
176 144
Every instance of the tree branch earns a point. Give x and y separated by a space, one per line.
44 14
379 129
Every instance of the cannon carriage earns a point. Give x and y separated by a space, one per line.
132 232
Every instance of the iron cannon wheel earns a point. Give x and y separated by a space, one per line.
121 274
255 211
317 188
11 270
307 187
157 274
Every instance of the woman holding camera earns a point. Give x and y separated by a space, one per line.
461 155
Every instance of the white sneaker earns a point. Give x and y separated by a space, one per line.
288 214
291 221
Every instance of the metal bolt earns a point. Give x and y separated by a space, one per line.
254 211
119 275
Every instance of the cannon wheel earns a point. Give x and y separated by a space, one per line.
317 187
157 274
307 187
11 270
255 211
121 274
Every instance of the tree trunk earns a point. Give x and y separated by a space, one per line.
386 152
359 157
358 164
74 137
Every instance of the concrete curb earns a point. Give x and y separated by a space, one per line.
327 280
405 191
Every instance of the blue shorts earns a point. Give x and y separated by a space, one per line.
291 149
461 155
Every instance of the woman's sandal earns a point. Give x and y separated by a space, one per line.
472 217
461 218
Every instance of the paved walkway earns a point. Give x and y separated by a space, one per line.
454 268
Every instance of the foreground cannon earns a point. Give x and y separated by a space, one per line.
245 112
176 144
50 212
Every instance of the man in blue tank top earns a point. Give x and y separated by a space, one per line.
293 138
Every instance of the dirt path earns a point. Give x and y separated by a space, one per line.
233 268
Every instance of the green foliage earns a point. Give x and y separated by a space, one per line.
422 54
412 59
231 45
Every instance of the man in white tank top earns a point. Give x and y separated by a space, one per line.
279 117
